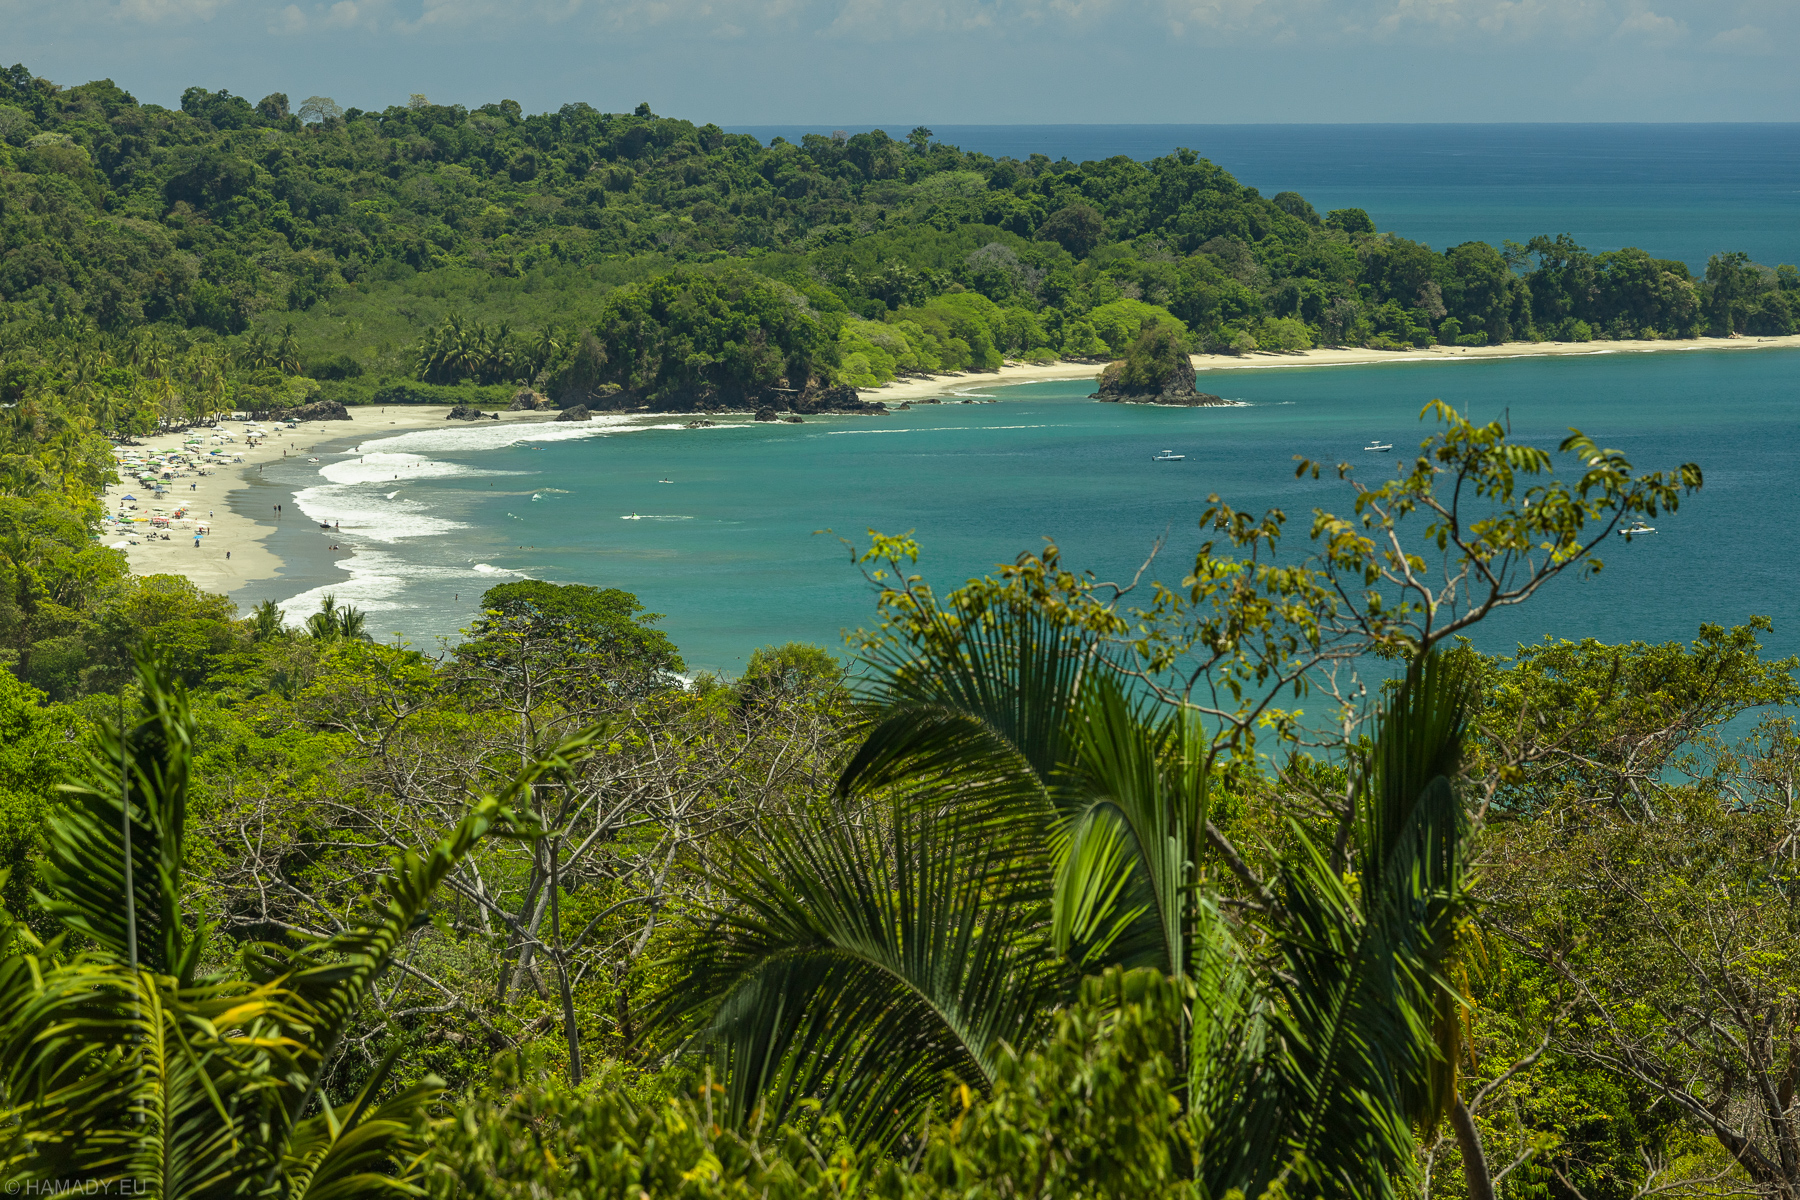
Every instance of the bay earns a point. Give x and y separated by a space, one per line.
741 549
1681 191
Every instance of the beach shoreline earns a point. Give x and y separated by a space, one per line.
235 552
923 387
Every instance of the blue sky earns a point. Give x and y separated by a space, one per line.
902 62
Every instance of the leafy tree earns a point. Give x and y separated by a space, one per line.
1077 228
125 1061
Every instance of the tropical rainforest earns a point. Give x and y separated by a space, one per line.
640 259
1261 883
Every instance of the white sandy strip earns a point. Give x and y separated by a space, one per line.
246 540
939 385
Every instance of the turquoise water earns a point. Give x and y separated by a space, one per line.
1684 191
742 548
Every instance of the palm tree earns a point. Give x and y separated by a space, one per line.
1015 820
332 623
122 1063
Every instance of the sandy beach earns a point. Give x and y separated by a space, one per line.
235 551
937 385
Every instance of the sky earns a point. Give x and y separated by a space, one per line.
906 62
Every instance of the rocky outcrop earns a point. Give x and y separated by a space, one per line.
766 413
795 420
468 412
526 400
320 410
578 413
1174 387
600 395
839 399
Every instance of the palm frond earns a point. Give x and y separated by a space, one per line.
1411 847
363 1148
1124 855
861 961
84 867
979 703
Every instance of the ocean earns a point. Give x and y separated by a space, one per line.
1679 191
746 545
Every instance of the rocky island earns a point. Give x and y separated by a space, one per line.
1156 370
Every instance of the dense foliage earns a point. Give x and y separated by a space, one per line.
590 251
1025 905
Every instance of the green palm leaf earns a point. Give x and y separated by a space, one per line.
84 868
861 961
200 1090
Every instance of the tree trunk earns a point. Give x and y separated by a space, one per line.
1475 1164
571 1034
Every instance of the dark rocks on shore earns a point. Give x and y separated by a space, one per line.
840 399
468 412
766 413
577 413
794 420
1175 388
320 410
527 400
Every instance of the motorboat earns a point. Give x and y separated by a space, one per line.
1167 456
632 517
1637 529
1379 447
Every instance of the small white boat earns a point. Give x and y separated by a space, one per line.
632 517
1167 456
1379 447
1637 529
665 481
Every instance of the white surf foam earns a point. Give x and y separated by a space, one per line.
377 581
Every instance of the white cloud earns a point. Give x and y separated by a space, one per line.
288 20
1745 39
1513 20
1648 26
158 11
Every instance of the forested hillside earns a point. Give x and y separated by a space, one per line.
363 251
1041 890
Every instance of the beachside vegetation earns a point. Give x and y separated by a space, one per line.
365 251
1048 887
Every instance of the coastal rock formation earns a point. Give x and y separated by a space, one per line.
1157 370
577 413
766 413
320 410
795 420
840 399
526 400
468 412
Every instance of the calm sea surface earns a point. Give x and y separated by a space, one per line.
1678 191
733 549
741 548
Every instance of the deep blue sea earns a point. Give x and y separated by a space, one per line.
1678 191
742 547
